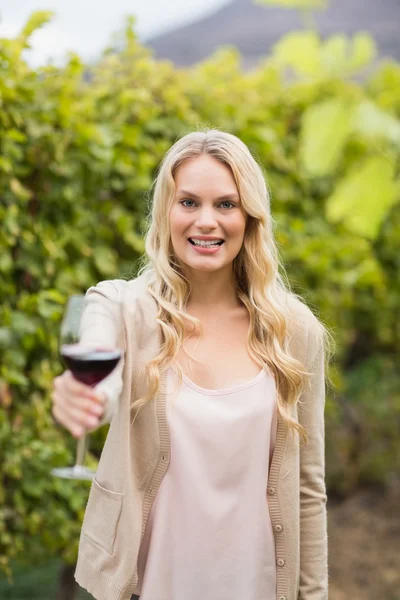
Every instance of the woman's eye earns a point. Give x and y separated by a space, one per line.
231 205
188 200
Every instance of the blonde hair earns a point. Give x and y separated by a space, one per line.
259 285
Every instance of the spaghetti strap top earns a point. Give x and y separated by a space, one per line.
209 532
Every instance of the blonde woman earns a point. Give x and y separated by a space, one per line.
211 481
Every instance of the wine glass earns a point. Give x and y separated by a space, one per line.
89 362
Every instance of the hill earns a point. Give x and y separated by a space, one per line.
254 29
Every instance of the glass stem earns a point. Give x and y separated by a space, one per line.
81 451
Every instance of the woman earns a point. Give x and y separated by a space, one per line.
211 481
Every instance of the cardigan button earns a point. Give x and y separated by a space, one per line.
282 598
271 490
278 528
281 562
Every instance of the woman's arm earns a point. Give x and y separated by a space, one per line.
313 517
102 326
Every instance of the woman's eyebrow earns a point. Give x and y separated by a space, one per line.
233 196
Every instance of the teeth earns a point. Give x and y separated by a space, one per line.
204 243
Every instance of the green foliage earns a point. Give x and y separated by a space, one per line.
331 124
363 198
79 150
326 127
36 583
338 56
37 20
306 54
366 444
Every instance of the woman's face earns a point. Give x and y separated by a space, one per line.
206 206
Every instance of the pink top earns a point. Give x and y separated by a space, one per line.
209 534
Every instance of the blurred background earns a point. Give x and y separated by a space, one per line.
91 97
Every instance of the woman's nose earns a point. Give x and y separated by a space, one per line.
206 218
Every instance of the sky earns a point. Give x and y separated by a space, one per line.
87 26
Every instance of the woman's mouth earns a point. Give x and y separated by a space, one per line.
206 246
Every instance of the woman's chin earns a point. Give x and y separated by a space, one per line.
203 265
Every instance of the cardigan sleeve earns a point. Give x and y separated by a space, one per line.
313 583
102 325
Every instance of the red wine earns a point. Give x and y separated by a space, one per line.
90 365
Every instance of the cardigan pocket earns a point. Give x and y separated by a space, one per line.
101 516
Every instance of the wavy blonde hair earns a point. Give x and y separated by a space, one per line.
259 285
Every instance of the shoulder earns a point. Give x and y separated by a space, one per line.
123 290
305 330
300 311
132 296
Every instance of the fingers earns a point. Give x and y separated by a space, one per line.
76 420
75 405
75 428
67 382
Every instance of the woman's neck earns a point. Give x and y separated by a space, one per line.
212 291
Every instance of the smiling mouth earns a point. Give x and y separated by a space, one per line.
204 244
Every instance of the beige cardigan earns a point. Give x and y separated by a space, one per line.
135 456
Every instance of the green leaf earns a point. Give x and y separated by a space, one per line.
22 324
324 132
5 337
334 51
342 56
364 50
301 51
52 296
17 378
6 262
373 122
36 21
50 305
19 190
105 260
362 200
